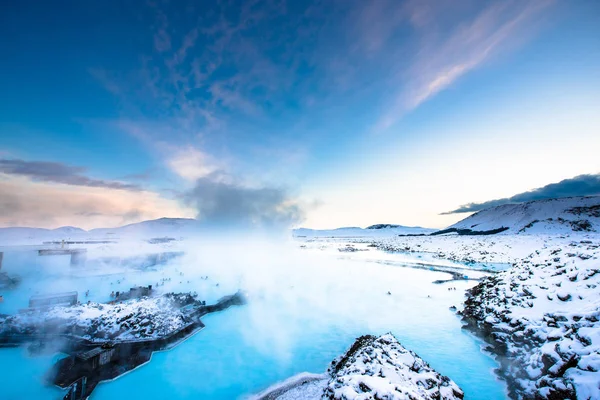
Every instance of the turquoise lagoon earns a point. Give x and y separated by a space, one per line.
300 317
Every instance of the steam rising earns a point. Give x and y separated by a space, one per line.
224 202
303 304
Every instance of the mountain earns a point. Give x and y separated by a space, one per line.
161 227
69 230
551 216
373 230
151 228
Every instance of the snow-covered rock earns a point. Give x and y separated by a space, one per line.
551 216
381 368
373 368
129 320
542 320
481 249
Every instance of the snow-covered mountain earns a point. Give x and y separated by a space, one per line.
552 216
373 230
39 234
154 228
69 230
173 227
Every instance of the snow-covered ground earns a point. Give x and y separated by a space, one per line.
491 249
129 320
542 315
373 368
552 216
542 318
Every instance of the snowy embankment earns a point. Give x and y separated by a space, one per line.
542 320
373 368
481 249
130 320
541 316
551 216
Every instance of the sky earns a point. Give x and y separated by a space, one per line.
293 113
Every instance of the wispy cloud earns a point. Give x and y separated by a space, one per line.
446 52
162 39
58 172
582 185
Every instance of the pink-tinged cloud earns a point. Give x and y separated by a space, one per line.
51 205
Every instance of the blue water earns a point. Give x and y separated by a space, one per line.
299 319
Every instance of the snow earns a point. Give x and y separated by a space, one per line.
473 249
128 320
381 368
360 232
302 386
552 216
175 227
373 368
541 316
544 315
152 228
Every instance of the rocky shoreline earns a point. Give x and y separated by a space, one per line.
372 368
540 317
541 321
104 341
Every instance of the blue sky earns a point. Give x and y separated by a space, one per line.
321 113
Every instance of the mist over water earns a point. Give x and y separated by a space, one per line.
306 306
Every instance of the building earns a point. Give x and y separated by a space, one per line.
134 293
96 357
55 299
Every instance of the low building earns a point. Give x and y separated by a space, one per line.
55 299
96 357
134 293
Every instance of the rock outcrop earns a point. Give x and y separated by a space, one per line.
373 368
541 319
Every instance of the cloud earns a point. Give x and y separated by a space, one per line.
58 172
223 202
50 205
446 53
582 185
191 163
162 39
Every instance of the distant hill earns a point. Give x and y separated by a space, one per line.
146 229
552 216
373 230
154 228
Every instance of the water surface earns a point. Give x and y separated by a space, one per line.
304 311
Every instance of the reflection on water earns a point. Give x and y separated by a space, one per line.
305 309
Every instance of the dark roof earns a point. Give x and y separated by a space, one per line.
90 353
